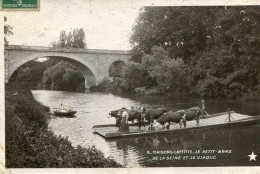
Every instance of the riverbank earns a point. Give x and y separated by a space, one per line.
108 86
29 143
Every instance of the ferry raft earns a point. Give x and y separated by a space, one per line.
215 121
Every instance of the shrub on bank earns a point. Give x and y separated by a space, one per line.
104 86
29 143
153 91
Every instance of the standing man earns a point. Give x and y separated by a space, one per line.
118 120
124 123
183 117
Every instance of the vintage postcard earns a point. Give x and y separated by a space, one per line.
130 86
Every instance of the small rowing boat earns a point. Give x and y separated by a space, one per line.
65 112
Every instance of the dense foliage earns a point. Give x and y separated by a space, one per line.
158 74
63 76
31 73
209 51
30 144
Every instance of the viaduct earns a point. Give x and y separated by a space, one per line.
93 63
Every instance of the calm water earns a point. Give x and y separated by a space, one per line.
93 108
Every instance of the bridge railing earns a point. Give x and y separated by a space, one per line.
43 47
68 49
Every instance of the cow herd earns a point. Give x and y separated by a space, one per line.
160 116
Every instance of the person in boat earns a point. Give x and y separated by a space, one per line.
62 108
124 122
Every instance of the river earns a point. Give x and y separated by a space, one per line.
93 108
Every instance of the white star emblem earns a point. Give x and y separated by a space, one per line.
252 156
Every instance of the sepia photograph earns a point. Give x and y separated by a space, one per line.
114 84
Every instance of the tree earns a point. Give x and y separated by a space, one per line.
7 31
74 39
63 39
179 30
169 74
63 76
78 38
133 76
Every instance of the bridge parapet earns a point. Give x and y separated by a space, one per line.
69 49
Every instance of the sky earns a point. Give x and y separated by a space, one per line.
107 24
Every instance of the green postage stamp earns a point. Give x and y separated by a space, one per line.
20 4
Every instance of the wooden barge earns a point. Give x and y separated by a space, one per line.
220 120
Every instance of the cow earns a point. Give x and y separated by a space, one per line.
133 115
180 116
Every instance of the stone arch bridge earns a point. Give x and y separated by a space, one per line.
93 63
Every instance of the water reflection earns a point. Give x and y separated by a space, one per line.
240 140
93 108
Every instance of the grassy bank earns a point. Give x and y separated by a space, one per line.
29 143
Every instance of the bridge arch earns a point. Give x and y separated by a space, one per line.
89 76
116 67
